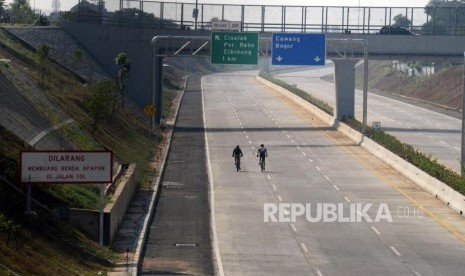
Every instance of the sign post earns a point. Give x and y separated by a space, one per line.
149 110
234 48
298 49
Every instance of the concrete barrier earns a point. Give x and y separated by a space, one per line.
440 190
88 221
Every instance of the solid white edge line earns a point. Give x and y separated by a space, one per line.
395 251
216 248
304 247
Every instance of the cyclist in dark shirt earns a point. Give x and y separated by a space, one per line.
237 154
262 152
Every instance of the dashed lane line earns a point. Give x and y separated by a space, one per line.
375 230
395 251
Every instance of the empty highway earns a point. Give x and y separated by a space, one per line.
430 132
383 223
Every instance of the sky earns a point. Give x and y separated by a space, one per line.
46 5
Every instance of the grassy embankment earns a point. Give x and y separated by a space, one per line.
47 246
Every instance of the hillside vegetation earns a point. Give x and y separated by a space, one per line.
44 245
443 88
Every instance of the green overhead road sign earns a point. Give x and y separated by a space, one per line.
234 48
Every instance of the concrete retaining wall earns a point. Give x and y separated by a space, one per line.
88 221
428 183
104 42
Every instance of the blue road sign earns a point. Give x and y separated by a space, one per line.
298 49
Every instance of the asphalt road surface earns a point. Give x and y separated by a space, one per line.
430 132
310 163
178 241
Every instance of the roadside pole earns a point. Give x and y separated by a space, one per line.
102 204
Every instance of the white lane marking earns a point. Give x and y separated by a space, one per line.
395 251
279 198
375 230
431 137
253 148
327 178
442 142
318 272
457 148
304 154
274 187
276 123
288 136
250 142
347 199
211 202
293 227
304 247
268 176
245 132
247 136
284 131
318 168
336 187
240 123
310 160
298 147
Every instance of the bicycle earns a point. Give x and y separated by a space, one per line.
261 163
237 162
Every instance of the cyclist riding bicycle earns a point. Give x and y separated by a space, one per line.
237 154
262 153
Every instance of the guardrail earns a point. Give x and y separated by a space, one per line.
271 18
